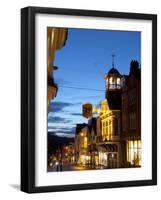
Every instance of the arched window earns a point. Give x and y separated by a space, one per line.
111 80
118 81
112 83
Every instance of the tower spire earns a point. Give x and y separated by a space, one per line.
113 57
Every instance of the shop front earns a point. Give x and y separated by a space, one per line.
133 149
108 155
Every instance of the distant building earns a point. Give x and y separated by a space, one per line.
56 38
81 144
92 140
68 153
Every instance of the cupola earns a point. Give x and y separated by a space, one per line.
113 78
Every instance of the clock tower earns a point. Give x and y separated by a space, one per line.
113 87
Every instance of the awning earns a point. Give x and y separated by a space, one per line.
101 148
108 148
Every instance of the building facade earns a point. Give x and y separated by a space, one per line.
68 153
110 144
56 39
92 141
131 114
112 139
81 144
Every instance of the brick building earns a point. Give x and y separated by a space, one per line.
131 114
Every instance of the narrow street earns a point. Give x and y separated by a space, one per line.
95 124
72 167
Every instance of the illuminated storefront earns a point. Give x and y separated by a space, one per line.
102 158
84 159
134 152
108 159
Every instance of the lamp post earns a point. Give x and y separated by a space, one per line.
57 166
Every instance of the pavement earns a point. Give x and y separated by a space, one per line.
73 167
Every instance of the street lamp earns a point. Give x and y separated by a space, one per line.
57 163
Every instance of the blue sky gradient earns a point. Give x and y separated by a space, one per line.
84 60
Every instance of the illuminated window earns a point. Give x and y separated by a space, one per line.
82 134
112 83
106 130
85 142
109 130
102 158
118 81
134 152
111 80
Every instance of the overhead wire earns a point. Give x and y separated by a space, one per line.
84 88
81 88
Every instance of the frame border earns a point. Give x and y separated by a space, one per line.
28 98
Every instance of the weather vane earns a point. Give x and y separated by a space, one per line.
113 57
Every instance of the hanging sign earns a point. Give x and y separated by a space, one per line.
87 110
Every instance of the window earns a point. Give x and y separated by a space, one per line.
115 126
134 152
132 120
112 83
124 122
132 96
111 80
118 81
109 133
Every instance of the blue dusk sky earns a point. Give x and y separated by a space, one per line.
82 63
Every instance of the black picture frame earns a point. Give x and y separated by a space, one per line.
28 98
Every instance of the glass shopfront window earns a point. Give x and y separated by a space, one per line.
102 158
134 152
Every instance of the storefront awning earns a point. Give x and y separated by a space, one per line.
101 148
108 148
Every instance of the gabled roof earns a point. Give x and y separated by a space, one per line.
79 127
